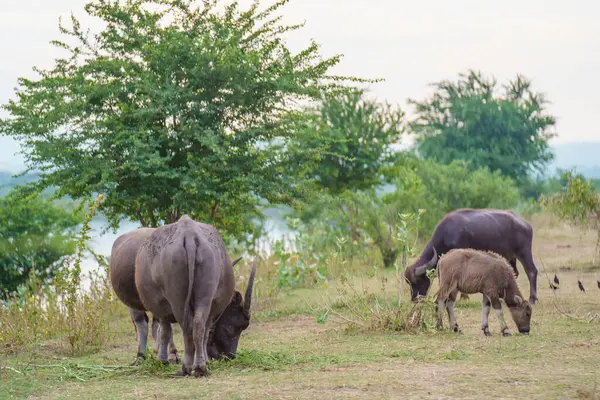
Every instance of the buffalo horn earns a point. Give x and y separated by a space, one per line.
431 264
236 261
248 296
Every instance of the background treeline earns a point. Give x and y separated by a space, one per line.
208 113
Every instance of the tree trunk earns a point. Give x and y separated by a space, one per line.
389 257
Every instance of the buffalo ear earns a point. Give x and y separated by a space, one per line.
518 300
237 299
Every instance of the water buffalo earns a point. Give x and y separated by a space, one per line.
500 231
122 270
476 271
183 274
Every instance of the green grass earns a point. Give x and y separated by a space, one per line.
286 354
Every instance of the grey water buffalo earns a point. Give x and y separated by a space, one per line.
500 231
122 271
183 274
476 271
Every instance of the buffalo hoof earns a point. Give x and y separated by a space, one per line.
533 299
183 372
486 332
138 360
201 371
506 333
174 359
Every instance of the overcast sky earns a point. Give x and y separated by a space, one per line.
408 43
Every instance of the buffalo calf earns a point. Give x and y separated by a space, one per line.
474 271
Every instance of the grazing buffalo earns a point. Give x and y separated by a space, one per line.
122 270
183 274
476 271
500 231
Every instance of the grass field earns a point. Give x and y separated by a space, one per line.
286 354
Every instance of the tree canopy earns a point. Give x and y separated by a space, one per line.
355 135
471 119
172 109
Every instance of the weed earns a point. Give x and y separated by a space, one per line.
61 310
365 310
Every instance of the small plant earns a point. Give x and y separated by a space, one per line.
361 309
295 270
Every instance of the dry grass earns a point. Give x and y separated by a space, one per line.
285 354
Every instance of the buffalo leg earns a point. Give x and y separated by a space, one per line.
188 353
450 308
165 337
140 320
513 264
498 310
485 311
155 333
441 305
173 354
530 268
200 336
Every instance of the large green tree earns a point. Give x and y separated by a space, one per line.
36 235
172 108
472 119
354 135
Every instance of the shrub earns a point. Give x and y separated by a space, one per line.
386 309
74 319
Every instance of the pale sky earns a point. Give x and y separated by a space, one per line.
409 44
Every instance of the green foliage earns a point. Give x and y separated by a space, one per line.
35 237
354 134
373 218
173 109
297 269
578 203
265 360
63 310
385 222
444 188
469 119
385 310
532 188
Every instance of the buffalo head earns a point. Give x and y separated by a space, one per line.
225 335
417 277
521 312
